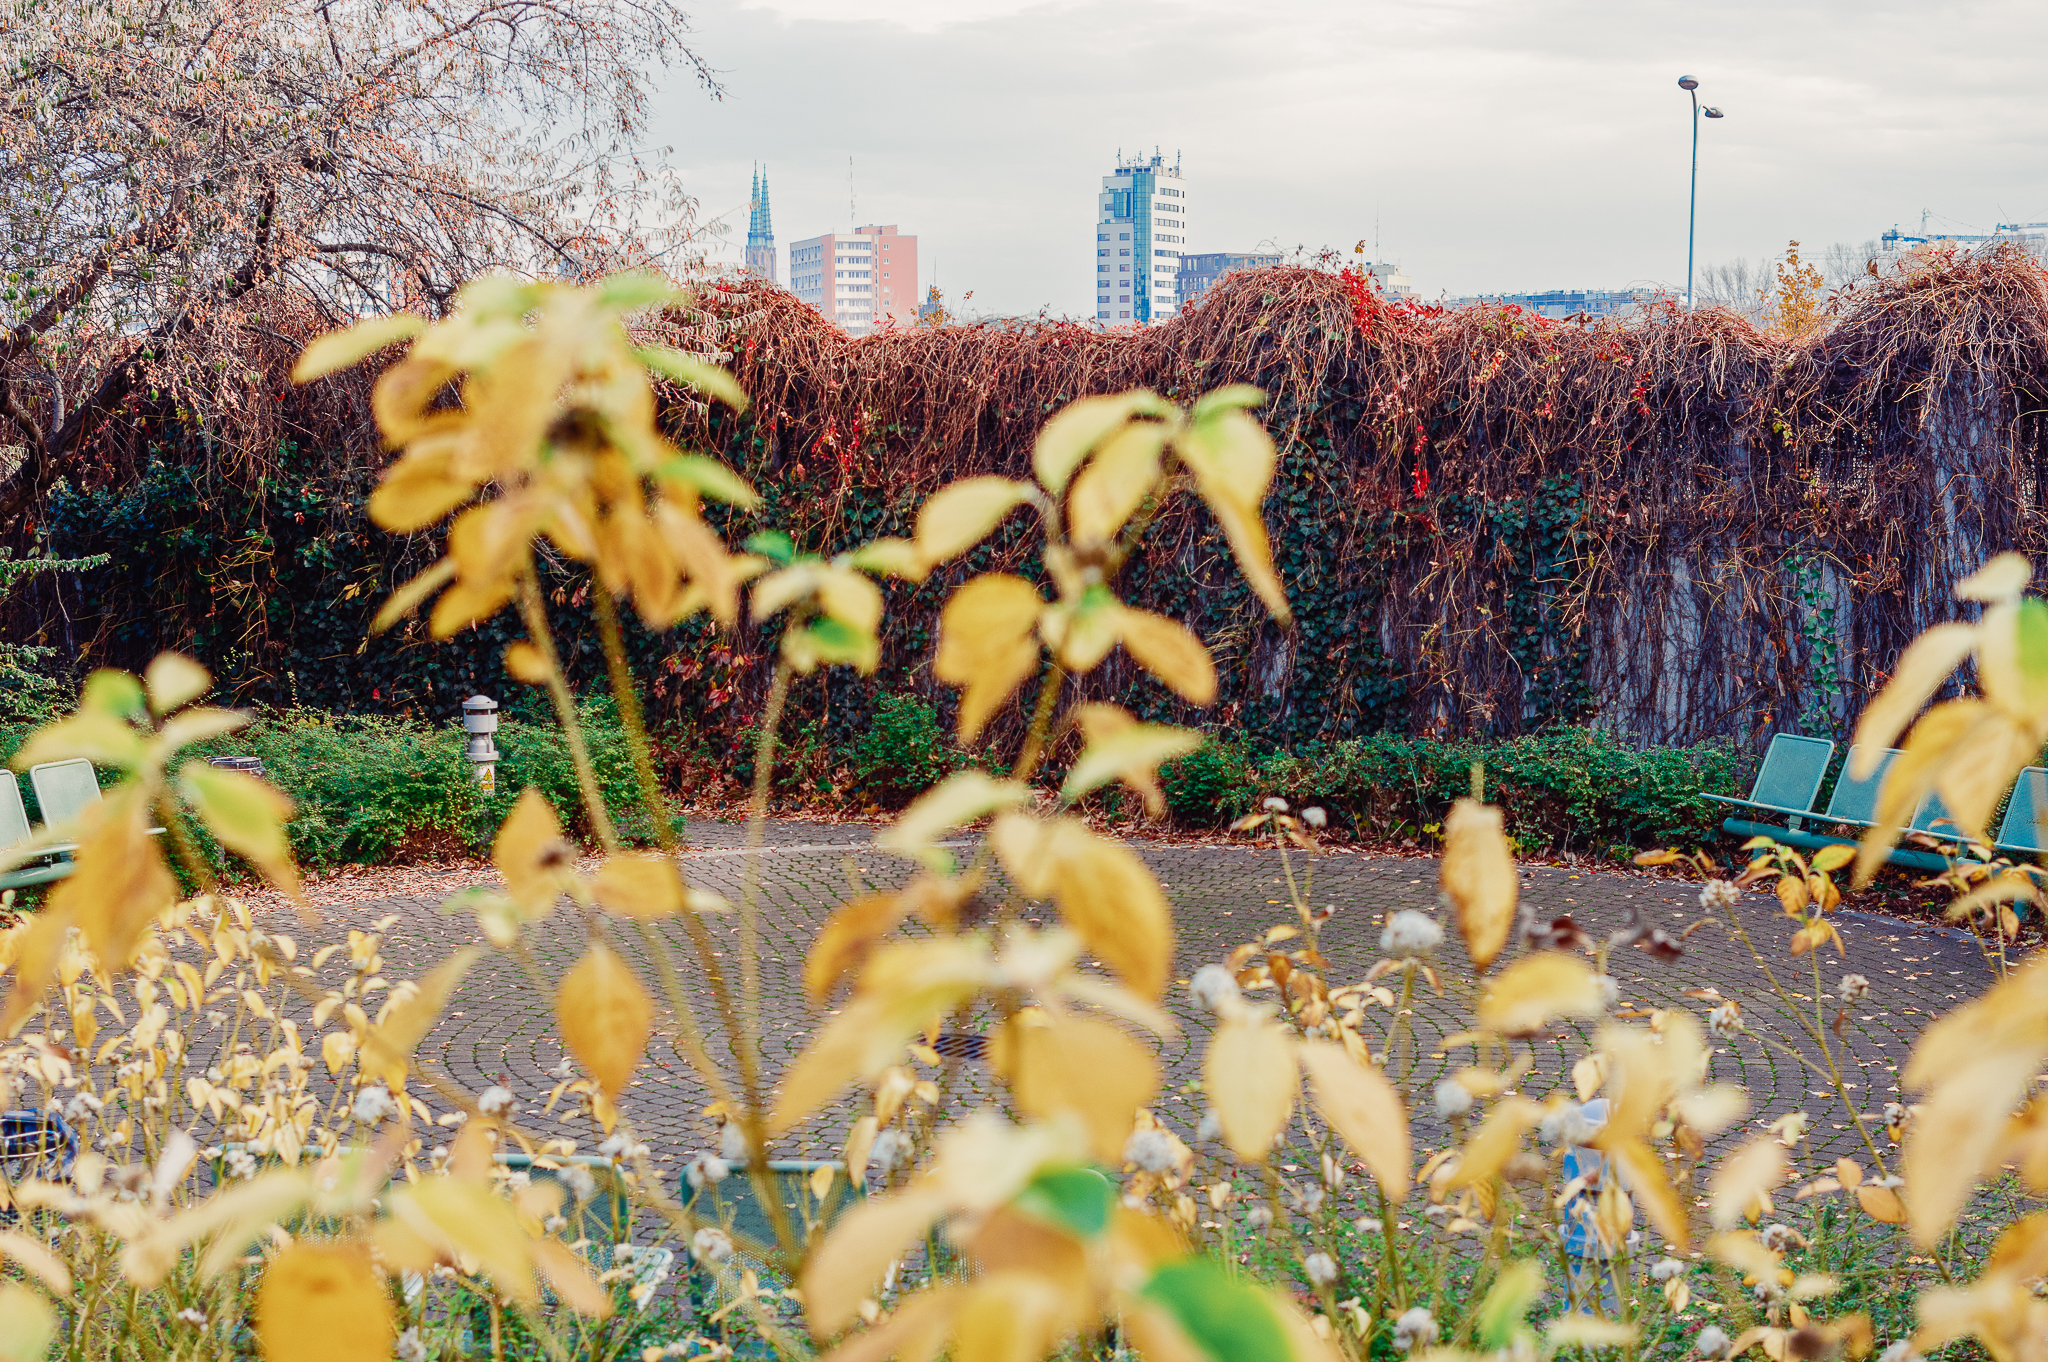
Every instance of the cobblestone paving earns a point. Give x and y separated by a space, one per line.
498 1031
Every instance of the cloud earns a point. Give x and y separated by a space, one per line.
1499 144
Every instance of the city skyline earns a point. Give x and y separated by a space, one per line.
1499 147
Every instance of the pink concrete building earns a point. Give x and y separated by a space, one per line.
860 281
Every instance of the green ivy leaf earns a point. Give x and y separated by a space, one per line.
773 545
1077 1200
1228 1319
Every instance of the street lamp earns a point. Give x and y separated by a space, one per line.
1692 87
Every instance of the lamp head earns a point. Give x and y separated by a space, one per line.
1713 112
1688 83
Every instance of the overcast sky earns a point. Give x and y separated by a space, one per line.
1499 144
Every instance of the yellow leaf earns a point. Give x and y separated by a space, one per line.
1077 428
1744 1253
121 882
639 884
605 1016
1832 858
1642 1173
1495 1142
1921 670
336 1049
1478 872
530 853
847 937
387 1048
960 798
1109 896
1233 460
37 1259
1250 1077
889 558
1586 1331
248 815
1171 652
339 349
27 1325
1116 481
462 1214
174 681
2001 579
1535 989
1744 1178
323 1302
958 516
1881 1203
847 1268
1083 1066
571 1279
524 662
988 645
1121 748
1362 1106
410 597
905 989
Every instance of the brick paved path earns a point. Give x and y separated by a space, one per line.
496 1031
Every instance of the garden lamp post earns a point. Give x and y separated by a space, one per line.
1692 211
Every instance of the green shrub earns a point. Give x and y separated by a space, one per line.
1564 787
903 751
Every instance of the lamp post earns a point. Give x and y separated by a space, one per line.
1692 211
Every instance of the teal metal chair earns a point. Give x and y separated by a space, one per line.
1790 778
1787 781
14 830
65 789
734 1203
2023 832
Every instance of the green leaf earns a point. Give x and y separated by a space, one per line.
339 349
710 478
1228 1319
247 814
1077 1200
113 692
827 641
1234 397
710 379
2032 631
633 291
773 545
1503 1315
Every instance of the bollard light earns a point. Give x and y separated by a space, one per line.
480 720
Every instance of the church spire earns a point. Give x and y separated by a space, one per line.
761 254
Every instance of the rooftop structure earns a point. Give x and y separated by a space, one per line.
1561 303
859 280
1141 227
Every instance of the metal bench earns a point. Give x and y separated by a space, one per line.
1788 782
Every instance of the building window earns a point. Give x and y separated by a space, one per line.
1125 251
1123 236
1123 314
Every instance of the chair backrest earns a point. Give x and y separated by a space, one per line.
65 789
1855 801
1792 771
1931 812
2025 827
13 817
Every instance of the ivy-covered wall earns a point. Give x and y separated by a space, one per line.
1672 527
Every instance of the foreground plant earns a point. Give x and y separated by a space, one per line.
299 1179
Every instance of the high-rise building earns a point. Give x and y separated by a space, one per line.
859 281
1141 227
1199 272
761 232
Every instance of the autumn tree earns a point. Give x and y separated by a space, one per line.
1795 300
186 185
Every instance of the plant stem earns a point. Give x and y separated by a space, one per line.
533 610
